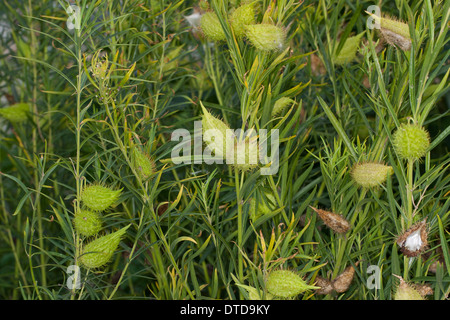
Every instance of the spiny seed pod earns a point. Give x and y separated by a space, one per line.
343 280
246 154
370 174
265 37
98 252
286 284
395 33
406 291
263 207
211 27
414 240
143 164
411 141
241 17
211 124
15 113
349 50
99 198
326 286
333 220
87 223
280 105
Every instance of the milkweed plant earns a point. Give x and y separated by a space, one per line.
224 149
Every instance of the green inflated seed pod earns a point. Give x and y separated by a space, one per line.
211 27
266 37
286 284
218 129
406 292
411 141
263 207
241 17
99 198
370 174
143 164
98 252
87 223
280 105
246 154
15 113
349 50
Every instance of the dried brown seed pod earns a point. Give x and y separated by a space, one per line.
326 286
333 220
424 289
414 240
343 280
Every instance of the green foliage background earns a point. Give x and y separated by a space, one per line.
191 236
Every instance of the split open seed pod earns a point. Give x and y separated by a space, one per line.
414 240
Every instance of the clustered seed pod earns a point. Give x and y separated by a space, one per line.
266 37
414 240
87 223
370 174
98 252
411 141
406 291
15 113
211 27
340 284
286 284
349 50
242 16
143 164
99 198
333 220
